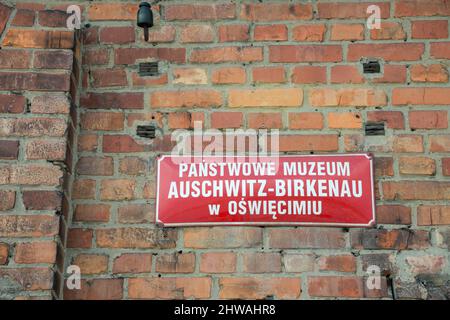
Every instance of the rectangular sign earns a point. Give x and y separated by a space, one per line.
325 190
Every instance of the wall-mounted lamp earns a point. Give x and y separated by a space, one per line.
145 18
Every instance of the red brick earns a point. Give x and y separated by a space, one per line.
289 238
265 120
289 97
309 74
388 51
388 31
439 143
341 263
79 238
96 56
121 144
117 35
102 78
91 263
290 143
112 100
429 29
360 97
46 150
226 54
259 288
393 214
335 286
397 239
272 32
431 73
87 142
175 263
276 11
96 289
117 189
5 12
4 253
259 262
161 34
344 120
305 120
309 32
133 263
190 76
136 238
169 288
112 11
228 75
428 119
136 213
222 237
233 32
34 174
392 74
83 189
199 33
305 53
9 149
440 50
346 74
42 200
28 226
24 18
269 75
179 120
426 264
102 121
35 252
34 81
416 190
15 59
29 279
53 18
413 8
393 119
50 104
92 212
132 166
347 32
11 103
32 127
420 96
186 98
139 81
218 262
128 56
28 38
221 120
299 262
7 200
384 166
432 215
408 143
446 166
350 10
199 11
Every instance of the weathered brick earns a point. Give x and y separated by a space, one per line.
7 200
169 288
186 98
349 10
440 50
112 11
266 120
96 289
335 286
388 51
305 53
28 226
133 263
50 104
161 34
393 214
261 262
29 279
220 237
393 119
79 238
133 166
341 32
35 252
287 238
346 74
259 288
91 263
417 166
388 31
220 120
233 33
413 8
60 59
9 149
398 239
416 190
429 29
276 11
83 189
197 33
28 38
226 54
218 262
190 76
15 59
430 73
135 238
269 75
298 263
128 56
104 78
341 263
34 81
433 215
136 213
327 97
228 75
274 32
408 143
326 142
420 96
117 189
4 252
102 121
309 74
199 11
117 35
305 120
46 149
384 166
42 200
439 143
426 264
175 263
347 120
112 100
12 103
309 32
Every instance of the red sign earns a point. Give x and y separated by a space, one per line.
326 190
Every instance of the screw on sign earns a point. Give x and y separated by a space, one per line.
328 190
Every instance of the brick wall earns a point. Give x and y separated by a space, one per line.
241 64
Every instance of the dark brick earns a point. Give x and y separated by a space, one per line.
9 150
42 200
